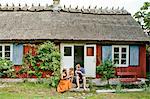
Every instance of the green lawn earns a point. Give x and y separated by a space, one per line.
42 91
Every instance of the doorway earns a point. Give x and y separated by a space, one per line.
84 54
78 56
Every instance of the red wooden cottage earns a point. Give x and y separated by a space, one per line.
85 36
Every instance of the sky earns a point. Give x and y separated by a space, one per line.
131 6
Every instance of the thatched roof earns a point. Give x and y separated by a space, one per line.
24 23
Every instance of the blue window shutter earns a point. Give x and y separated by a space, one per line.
17 54
134 55
106 53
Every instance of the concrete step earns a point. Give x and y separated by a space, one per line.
78 90
122 90
81 85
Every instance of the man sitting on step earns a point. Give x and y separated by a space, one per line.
80 76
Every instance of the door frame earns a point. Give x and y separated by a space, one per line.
89 68
62 45
83 54
76 44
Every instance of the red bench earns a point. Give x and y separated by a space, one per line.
127 80
127 76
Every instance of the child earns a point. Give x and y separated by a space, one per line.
71 74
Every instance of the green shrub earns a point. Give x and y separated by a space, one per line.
48 58
6 69
106 69
148 75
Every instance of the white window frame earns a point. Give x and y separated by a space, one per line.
127 53
3 51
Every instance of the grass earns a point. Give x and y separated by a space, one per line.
43 91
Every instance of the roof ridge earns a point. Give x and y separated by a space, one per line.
58 8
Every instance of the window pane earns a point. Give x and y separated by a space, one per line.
67 51
7 48
0 54
123 50
90 51
123 56
116 61
7 54
123 61
116 55
116 49
7 58
0 48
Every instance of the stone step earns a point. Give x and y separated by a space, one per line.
122 90
81 85
78 90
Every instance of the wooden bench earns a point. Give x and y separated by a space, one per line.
127 76
127 80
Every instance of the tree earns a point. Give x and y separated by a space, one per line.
143 16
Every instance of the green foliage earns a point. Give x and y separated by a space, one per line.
47 58
144 15
6 69
148 75
106 69
119 88
54 80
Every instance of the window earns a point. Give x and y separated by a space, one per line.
120 55
6 51
90 51
67 51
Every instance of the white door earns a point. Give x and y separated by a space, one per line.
90 60
67 53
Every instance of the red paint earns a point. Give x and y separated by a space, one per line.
45 74
28 48
139 70
90 51
143 61
98 54
98 76
98 57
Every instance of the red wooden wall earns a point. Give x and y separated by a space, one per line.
32 49
140 70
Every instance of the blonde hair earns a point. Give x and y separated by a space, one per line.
71 71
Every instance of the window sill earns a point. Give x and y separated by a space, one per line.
122 65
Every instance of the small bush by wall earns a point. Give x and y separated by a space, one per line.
6 68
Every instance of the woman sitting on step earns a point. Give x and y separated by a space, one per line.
64 83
